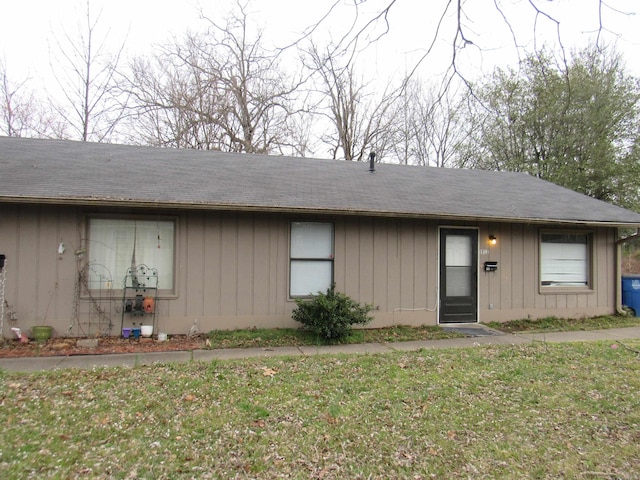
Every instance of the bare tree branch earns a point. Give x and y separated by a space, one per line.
88 81
220 89
22 114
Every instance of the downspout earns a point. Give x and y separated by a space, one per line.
619 244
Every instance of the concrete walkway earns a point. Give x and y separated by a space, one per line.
484 336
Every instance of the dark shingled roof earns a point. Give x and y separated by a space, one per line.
60 171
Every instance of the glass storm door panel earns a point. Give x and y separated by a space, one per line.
458 275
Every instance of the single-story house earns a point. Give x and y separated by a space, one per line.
97 237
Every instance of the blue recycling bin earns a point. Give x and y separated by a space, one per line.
631 292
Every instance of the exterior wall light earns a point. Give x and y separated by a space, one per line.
492 240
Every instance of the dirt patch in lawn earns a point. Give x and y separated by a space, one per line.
11 348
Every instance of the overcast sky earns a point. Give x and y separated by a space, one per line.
29 27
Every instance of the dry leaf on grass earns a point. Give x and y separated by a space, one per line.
268 372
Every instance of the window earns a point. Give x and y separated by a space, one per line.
311 267
564 259
117 244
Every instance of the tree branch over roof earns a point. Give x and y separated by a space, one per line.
454 18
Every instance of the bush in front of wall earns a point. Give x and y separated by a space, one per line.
331 315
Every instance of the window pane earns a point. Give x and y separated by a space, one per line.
458 282
458 251
119 244
311 240
564 260
310 277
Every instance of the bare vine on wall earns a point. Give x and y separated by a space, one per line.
98 313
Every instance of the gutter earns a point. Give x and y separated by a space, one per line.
619 244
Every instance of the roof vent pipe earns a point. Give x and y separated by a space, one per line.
372 158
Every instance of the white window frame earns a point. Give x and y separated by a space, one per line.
566 259
311 252
110 245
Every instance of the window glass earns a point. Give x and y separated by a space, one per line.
564 259
309 277
458 251
311 261
311 240
118 244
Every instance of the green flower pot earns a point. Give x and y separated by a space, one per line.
41 333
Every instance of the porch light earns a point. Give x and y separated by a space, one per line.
492 240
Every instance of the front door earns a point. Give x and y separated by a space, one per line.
458 275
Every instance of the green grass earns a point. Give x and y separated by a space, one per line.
526 411
280 337
554 324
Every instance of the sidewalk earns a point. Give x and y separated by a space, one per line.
483 336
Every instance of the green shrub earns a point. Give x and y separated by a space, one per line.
330 315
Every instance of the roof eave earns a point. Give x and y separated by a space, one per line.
120 202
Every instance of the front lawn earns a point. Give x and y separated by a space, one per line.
554 324
527 411
281 337
286 337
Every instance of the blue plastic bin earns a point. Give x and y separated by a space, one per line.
631 292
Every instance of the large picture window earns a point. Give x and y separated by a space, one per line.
564 259
118 244
311 263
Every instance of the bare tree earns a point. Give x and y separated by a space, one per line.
17 106
22 114
220 89
359 122
167 101
441 127
86 75
428 126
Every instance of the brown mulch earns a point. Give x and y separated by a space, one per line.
13 348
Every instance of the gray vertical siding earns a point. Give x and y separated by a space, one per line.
39 282
231 270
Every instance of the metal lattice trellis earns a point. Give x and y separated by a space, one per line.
92 301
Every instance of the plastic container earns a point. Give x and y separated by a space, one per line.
146 330
126 332
631 292
162 337
41 333
135 332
